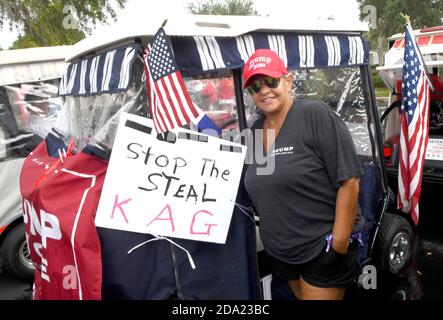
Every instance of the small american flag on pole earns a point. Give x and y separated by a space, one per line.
169 101
414 126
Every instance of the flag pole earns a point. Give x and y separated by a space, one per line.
414 133
406 17
408 22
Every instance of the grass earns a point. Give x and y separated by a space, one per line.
379 86
381 92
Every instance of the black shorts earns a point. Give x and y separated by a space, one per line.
328 270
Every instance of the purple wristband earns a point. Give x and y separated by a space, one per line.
329 242
355 236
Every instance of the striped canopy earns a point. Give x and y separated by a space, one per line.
110 72
202 54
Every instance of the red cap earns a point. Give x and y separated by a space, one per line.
266 62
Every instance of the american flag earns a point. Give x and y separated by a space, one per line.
414 126
170 104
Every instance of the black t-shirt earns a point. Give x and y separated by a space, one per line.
313 154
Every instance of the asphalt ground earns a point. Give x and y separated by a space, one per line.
13 288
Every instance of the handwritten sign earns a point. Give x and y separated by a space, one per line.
434 150
183 185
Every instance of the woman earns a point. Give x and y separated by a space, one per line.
308 205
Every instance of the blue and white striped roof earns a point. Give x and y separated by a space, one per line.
143 24
196 55
110 71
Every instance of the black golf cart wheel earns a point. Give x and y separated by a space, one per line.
15 254
394 243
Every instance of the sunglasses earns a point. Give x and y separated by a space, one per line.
268 81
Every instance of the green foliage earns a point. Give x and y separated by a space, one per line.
376 79
225 7
43 22
25 41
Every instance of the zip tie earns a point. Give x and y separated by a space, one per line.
53 167
244 207
329 242
143 243
357 236
60 156
191 261
244 212
354 236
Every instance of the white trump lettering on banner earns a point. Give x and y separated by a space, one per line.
183 188
47 226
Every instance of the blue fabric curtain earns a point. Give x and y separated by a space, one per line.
197 55
110 71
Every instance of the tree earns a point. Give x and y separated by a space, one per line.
389 21
224 7
54 22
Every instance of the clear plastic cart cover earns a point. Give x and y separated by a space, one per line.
341 89
93 119
27 113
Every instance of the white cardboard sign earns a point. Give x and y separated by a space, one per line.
184 186
434 150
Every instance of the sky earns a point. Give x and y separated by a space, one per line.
344 10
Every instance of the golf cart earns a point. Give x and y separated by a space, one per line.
28 109
329 60
430 42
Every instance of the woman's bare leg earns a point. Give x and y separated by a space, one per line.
295 287
310 292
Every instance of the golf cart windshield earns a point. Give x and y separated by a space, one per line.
27 113
341 89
